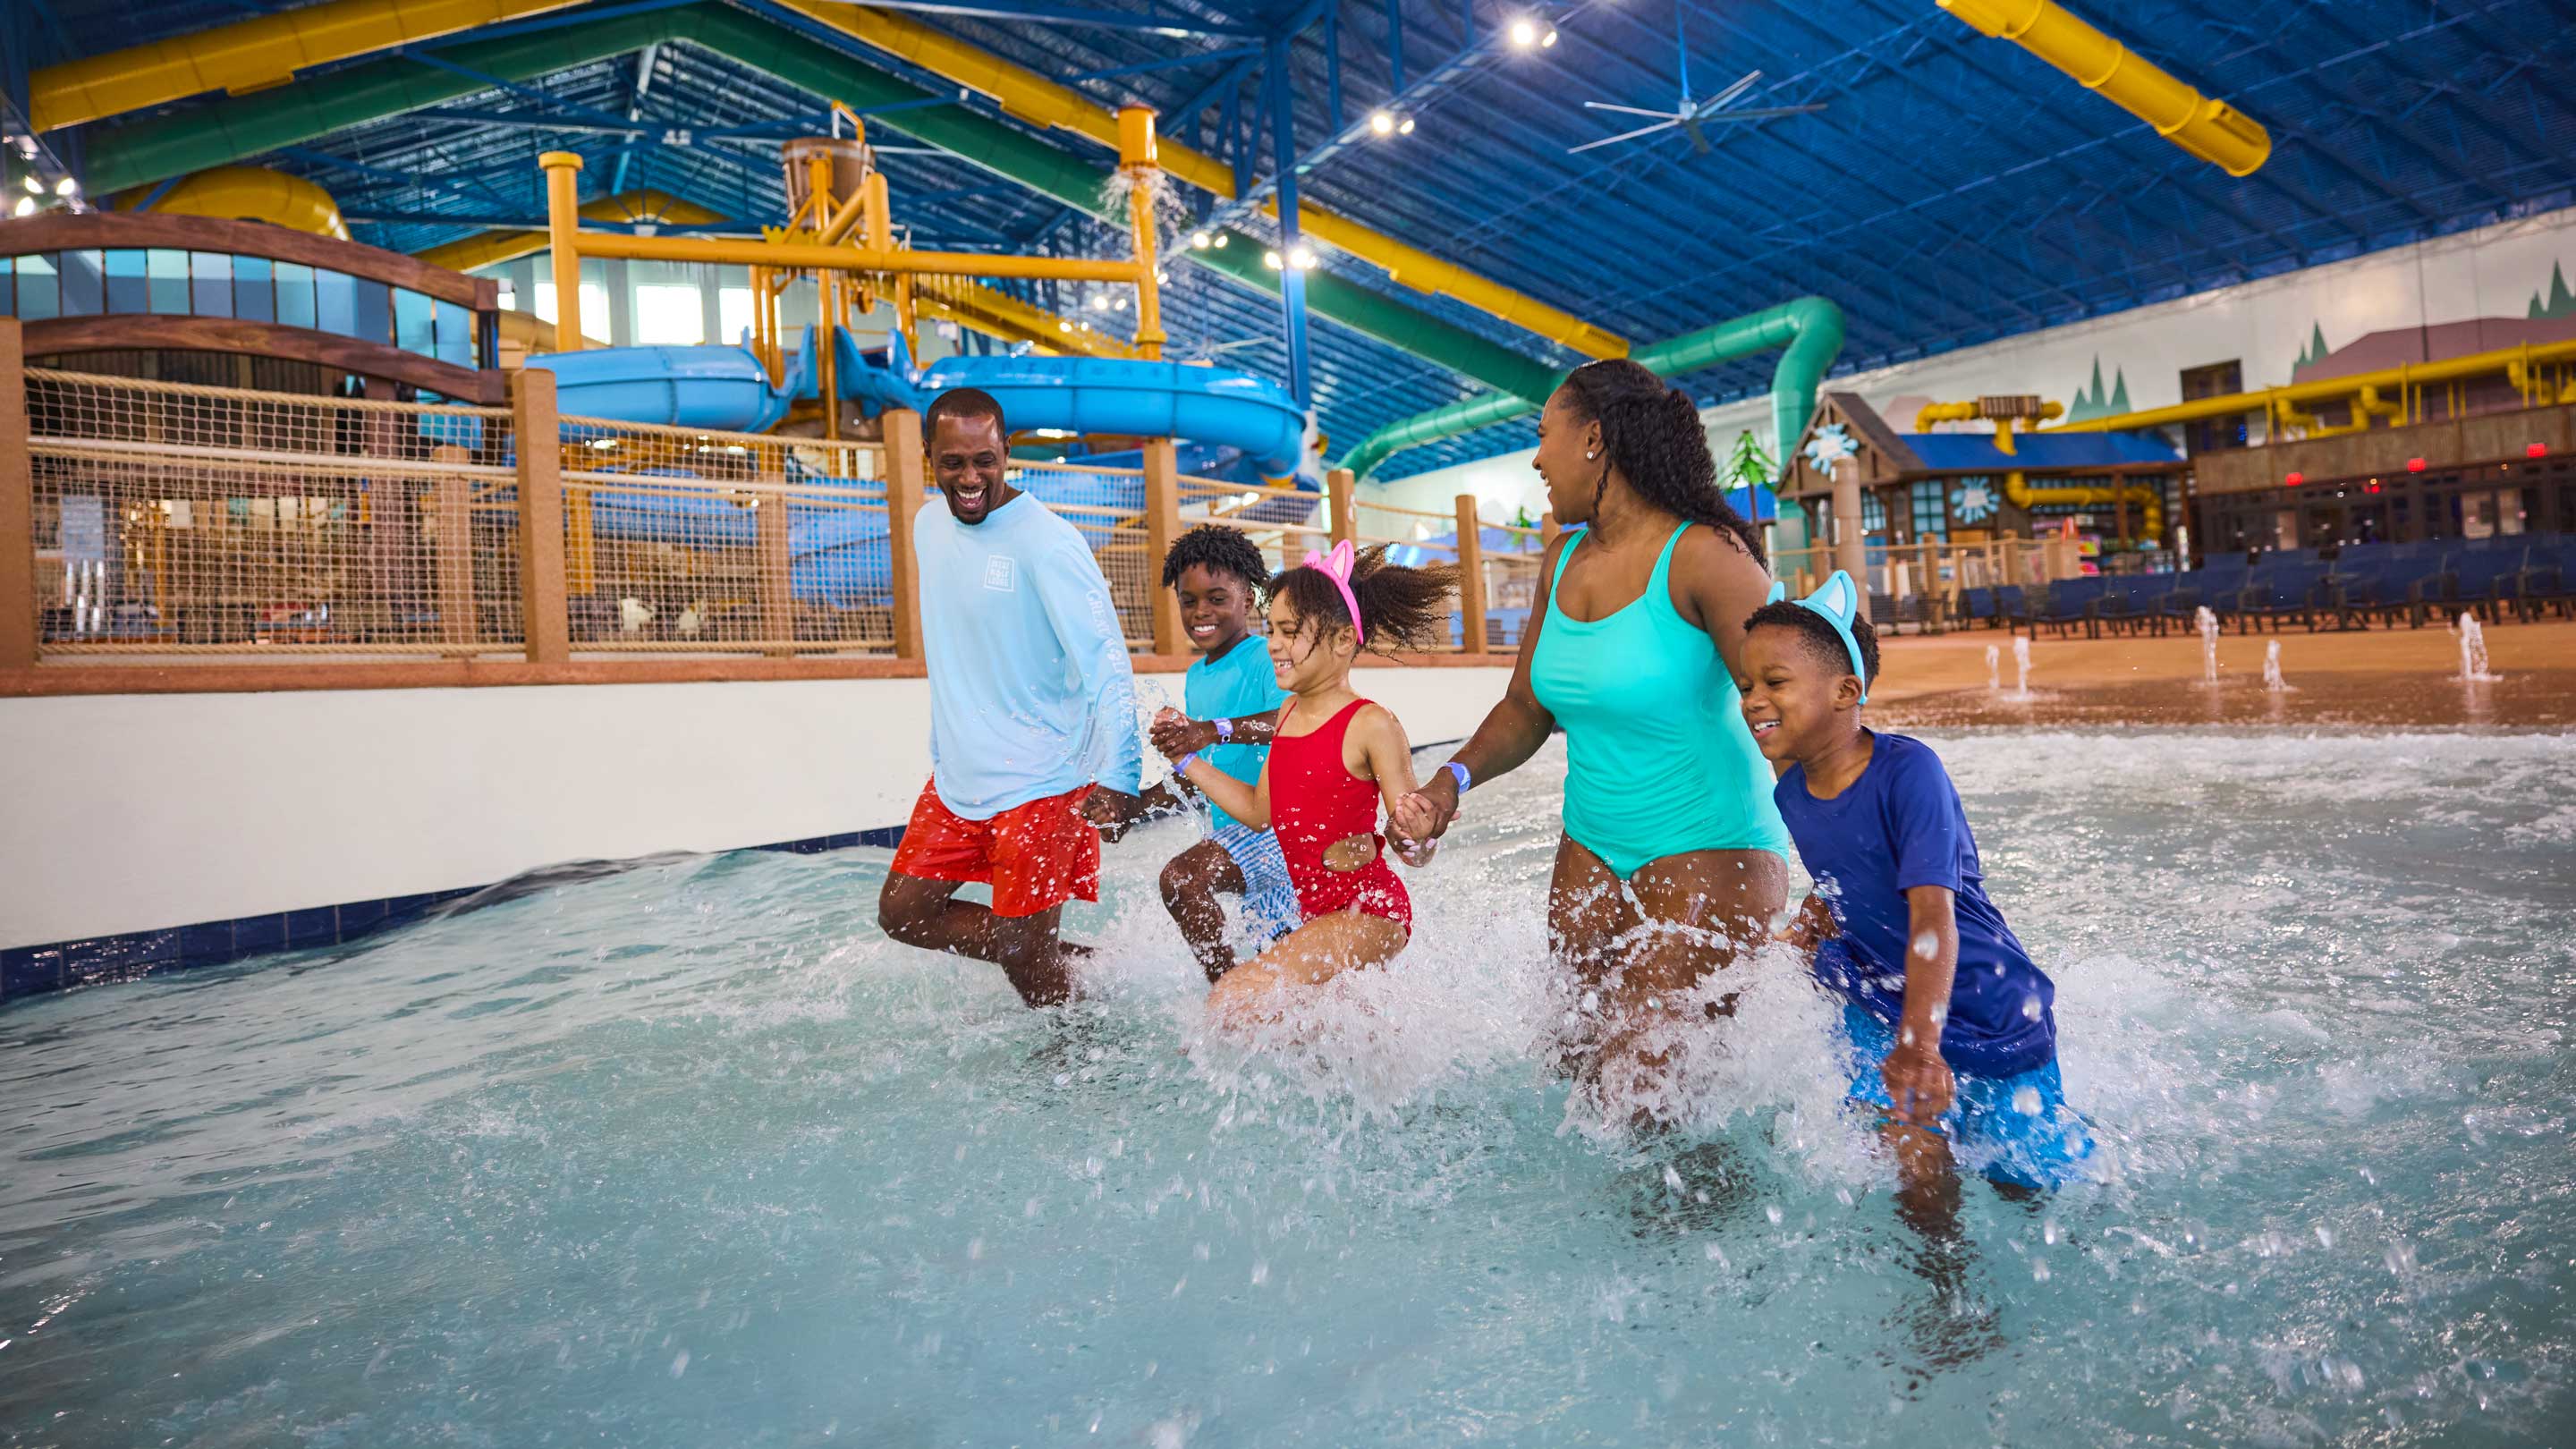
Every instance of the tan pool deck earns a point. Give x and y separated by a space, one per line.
2378 677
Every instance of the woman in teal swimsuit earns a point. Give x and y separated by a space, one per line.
1669 823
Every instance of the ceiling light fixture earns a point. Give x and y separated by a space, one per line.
1382 122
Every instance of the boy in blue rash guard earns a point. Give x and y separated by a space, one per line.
1032 709
1951 1030
1219 576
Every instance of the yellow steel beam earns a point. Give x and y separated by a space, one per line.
809 256
1042 102
2212 130
999 314
491 248
250 55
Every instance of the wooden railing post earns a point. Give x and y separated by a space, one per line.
906 486
1851 552
1162 525
775 561
1343 486
534 431
1471 576
1548 529
454 556
17 508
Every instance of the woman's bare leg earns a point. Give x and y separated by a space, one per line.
1703 911
1588 915
1312 954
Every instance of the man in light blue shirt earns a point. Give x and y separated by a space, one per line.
1032 707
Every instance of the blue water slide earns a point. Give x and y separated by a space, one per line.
721 389
1233 422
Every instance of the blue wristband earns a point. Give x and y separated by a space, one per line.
1225 731
1459 773
1181 766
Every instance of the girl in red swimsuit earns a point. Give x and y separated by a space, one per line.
1335 760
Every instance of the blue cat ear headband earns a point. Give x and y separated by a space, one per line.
1837 602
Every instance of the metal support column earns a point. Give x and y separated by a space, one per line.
1292 281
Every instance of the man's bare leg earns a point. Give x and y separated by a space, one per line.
926 913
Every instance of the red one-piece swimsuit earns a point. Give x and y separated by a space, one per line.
1316 800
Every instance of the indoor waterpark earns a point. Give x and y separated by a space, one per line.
1278 722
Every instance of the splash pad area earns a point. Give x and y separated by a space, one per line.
689 1155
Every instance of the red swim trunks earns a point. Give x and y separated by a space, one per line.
1036 856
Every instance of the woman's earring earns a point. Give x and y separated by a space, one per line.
1595 453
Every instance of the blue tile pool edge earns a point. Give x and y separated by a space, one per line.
61 965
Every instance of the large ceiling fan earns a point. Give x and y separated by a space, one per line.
1693 114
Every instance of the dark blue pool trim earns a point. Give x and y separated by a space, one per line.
61 965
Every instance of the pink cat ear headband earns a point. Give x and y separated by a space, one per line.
1337 566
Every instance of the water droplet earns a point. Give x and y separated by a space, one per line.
2048 1232
680 1365
1927 945
2026 1101
2030 1007
974 1249
1260 1274
2039 1272
1672 1179
1773 1213
2325 1236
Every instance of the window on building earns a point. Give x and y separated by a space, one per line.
733 314
1931 509
594 308
668 316
2219 379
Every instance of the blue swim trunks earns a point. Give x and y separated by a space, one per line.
2015 1129
1269 898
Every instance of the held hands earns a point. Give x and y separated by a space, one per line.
1422 817
1176 734
1919 1083
1111 811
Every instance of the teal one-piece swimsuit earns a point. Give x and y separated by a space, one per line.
1658 759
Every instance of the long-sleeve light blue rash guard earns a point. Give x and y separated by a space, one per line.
1031 694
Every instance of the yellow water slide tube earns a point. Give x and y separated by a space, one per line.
248 193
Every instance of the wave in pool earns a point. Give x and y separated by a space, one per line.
689 1154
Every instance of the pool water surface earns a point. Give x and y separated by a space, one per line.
690 1155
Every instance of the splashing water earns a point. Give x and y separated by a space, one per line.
2473 651
690 1155
1994 667
2021 665
2206 621
2272 679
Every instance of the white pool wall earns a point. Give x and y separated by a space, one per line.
144 812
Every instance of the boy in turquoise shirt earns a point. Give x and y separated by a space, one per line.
1219 576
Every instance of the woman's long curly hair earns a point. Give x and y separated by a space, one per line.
1653 435
1400 607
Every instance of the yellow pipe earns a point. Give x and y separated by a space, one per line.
2209 129
250 55
1042 102
563 230
491 248
1137 161
2018 490
249 193
2408 378
810 257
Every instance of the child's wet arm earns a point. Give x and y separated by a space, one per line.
1931 959
1246 803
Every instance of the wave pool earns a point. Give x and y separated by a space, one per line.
689 1155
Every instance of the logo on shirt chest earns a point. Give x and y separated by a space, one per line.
1002 574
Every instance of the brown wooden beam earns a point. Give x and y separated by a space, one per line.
270 677
63 231
151 332
17 509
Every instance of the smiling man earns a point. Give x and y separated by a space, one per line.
1032 707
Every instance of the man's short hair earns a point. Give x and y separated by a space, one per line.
964 402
